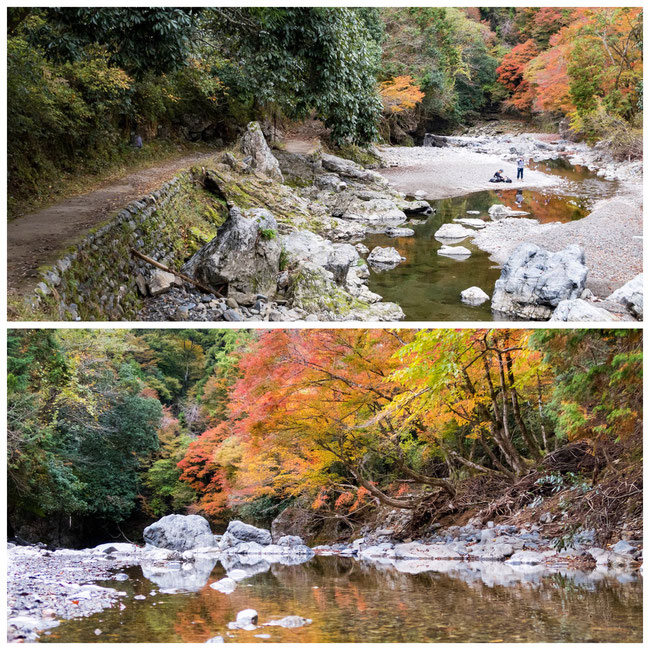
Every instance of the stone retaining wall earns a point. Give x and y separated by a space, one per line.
99 279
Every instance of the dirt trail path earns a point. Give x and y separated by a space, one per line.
301 146
36 239
303 138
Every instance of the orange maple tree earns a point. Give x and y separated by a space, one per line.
511 74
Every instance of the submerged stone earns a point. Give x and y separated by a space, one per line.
385 257
474 296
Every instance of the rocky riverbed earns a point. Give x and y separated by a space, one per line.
46 587
291 248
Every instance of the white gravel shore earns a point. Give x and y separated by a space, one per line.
453 171
45 587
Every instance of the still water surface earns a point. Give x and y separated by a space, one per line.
351 601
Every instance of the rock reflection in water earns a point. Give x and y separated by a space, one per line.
181 576
250 565
352 601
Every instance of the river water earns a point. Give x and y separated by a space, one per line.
427 286
352 601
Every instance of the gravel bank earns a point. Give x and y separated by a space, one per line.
44 587
451 171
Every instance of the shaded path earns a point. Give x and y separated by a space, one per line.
36 239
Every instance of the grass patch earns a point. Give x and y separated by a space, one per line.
357 154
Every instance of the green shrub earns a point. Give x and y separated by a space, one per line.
268 233
624 140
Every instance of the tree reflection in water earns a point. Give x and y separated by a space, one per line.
351 601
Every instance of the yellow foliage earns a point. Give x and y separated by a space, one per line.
400 94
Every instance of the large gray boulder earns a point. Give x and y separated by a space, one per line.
340 259
330 182
290 541
301 167
238 531
580 310
245 254
630 295
345 167
180 533
340 229
534 281
253 143
373 211
303 245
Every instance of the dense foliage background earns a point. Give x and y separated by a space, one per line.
108 427
82 81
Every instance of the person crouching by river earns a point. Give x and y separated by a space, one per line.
520 169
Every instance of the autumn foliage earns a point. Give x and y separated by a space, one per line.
511 74
339 419
576 62
400 93
203 474
334 421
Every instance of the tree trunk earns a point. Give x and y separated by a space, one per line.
528 438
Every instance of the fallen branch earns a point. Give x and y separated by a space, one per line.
182 276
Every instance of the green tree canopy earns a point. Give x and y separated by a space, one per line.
301 60
138 40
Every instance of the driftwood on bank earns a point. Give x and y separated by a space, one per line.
182 276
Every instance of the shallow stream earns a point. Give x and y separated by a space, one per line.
352 601
427 286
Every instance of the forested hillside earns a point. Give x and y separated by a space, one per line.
84 82
111 429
